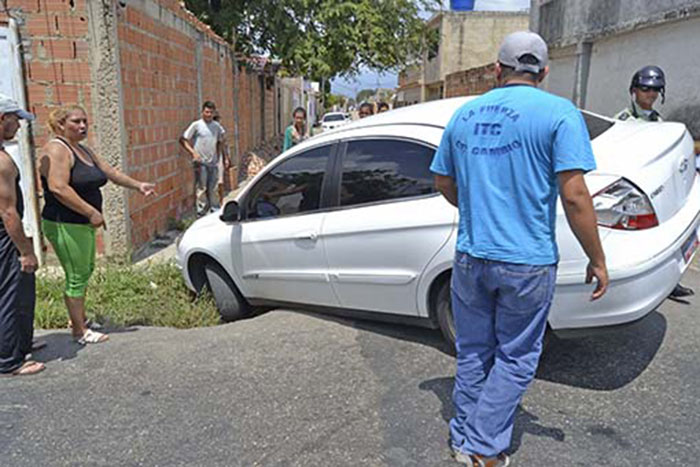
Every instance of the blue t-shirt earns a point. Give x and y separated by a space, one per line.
504 150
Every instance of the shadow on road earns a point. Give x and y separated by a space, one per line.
525 422
607 361
61 346
406 332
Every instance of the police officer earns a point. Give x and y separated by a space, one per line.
647 83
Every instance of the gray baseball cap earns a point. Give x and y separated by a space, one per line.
524 51
10 106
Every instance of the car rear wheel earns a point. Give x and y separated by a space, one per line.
229 301
447 325
443 308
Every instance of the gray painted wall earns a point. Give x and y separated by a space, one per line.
674 47
564 22
623 40
560 80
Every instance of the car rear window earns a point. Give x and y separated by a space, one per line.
384 170
596 125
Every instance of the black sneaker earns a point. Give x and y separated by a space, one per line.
681 291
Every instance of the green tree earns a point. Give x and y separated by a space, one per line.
364 94
336 100
322 39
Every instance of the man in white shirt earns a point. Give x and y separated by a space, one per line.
203 140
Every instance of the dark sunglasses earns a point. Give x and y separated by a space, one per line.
647 88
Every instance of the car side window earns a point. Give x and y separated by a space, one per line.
293 187
381 170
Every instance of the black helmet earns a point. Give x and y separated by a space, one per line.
651 76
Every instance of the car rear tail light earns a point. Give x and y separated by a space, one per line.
623 206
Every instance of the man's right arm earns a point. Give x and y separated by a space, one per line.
581 216
186 143
10 216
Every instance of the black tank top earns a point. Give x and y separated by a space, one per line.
86 180
19 203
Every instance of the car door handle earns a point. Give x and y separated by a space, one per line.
313 236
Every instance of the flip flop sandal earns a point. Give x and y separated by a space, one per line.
91 337
28 368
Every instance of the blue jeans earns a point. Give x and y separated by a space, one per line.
500 312
205 179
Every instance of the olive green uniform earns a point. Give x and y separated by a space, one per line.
634 112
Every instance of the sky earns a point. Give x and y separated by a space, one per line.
369 79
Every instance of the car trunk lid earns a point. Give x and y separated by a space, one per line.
657 157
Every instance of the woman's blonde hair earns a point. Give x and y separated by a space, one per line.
59 115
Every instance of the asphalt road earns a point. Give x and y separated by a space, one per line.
292 389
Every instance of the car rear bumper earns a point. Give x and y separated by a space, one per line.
628 298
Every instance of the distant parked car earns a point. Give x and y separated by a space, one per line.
333 120
349 222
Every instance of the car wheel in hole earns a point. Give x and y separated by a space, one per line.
229 301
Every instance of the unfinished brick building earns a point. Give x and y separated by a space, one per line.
141 68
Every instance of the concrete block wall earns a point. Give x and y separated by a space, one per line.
471 82
623 36
472 39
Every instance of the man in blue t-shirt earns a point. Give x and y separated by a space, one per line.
502 161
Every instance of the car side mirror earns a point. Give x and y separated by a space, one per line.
231 212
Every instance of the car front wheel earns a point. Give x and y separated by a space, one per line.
229 301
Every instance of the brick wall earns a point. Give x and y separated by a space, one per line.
270 112
55 36
159 95
162 87
57 71
470 82
250 109
169 62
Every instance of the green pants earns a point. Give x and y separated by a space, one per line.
74 245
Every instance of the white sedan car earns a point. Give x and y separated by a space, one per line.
333 120
350 222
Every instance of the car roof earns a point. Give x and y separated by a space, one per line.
433 113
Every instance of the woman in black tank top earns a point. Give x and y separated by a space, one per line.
72 175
